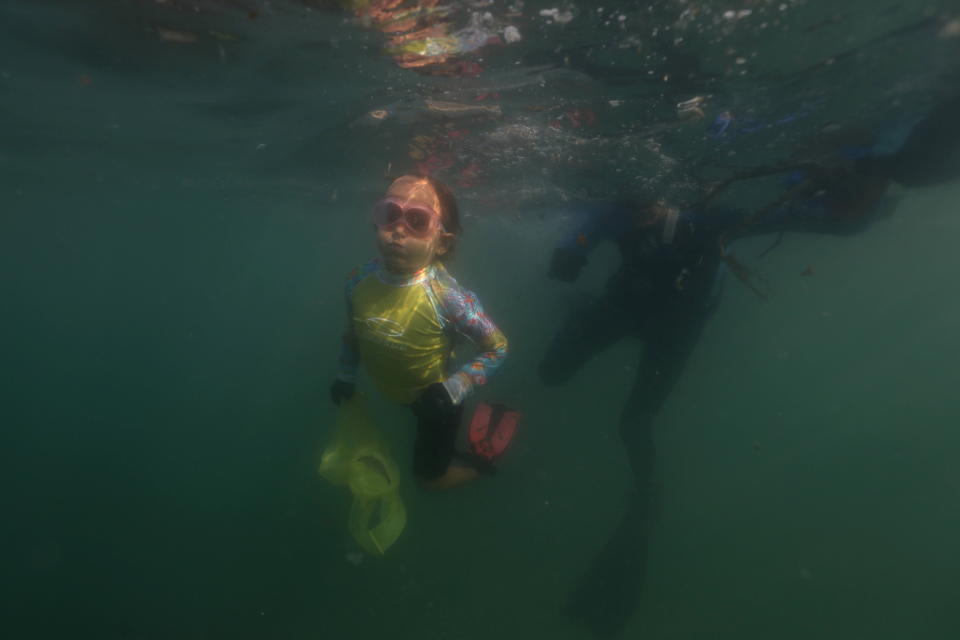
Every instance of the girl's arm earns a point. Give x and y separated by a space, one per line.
349 361
465 315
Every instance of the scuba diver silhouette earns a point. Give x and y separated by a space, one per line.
668 283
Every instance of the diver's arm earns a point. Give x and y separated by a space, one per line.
808 212
597 225
720 221
464 312
821 200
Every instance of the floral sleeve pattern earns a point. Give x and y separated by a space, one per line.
464 313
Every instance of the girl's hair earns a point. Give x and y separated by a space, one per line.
449 213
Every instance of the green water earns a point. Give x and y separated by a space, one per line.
171 277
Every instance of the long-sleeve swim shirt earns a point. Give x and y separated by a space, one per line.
403 330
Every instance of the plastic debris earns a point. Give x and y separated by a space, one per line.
174 35
556 15
951 29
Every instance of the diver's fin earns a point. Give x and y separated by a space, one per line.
606 595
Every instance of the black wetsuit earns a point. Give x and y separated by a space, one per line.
661 293
664 291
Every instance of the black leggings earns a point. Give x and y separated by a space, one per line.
436 440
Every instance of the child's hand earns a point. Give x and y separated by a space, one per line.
340 391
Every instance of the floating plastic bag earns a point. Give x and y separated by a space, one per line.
359 458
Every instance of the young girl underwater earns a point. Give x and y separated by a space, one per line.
405 315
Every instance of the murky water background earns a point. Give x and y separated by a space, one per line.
175 227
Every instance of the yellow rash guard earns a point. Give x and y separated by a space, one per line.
403 330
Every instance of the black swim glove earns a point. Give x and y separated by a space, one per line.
340 391
434 403
566 263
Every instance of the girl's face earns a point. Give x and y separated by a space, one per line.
404 250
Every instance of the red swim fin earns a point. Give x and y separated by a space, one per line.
480 423
492 428
505 430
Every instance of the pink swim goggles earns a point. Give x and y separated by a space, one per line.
419 220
